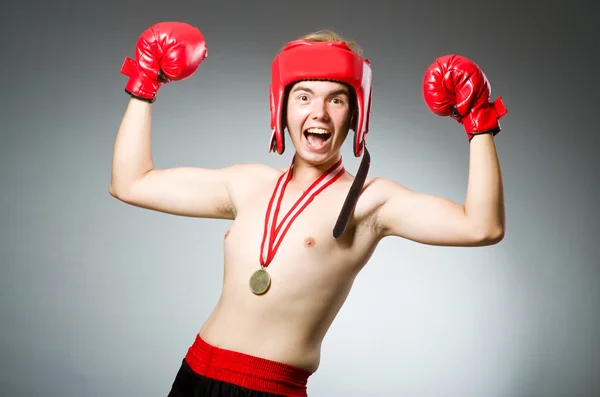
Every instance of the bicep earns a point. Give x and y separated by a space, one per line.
186 191
424 218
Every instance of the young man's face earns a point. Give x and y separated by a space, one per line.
318 118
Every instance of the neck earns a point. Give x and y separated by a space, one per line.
306 173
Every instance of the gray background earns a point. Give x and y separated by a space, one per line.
98 298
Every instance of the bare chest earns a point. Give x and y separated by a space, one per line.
296 244
295 230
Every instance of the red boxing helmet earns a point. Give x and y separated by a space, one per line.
333 61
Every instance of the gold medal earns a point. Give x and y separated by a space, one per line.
260 281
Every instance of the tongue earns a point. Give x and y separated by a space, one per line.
316 141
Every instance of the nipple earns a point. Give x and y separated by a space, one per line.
226 234
309 242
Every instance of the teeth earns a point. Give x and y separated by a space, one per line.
318 131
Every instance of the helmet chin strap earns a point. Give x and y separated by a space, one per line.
353 194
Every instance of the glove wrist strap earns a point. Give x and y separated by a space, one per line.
139 84
485 119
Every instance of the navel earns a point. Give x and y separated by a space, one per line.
309 242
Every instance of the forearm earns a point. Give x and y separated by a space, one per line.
132 156
484 204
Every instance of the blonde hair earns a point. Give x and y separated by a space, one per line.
328 35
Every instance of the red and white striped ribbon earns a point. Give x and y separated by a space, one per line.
274 234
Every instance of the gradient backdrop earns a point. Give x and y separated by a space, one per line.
98 298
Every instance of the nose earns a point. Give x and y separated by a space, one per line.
319 110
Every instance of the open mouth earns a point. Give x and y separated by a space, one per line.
317 137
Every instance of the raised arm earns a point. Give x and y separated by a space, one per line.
186 191
453 86
165 52
435 220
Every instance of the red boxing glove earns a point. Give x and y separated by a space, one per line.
165 52
455 86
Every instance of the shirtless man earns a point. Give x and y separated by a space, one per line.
283 287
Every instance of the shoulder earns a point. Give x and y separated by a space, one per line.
377 194
378 190
247 180
252 172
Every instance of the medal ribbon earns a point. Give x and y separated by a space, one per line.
274 234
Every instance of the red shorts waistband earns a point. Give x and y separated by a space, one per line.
246 371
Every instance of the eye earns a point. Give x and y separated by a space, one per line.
303 97
338 101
